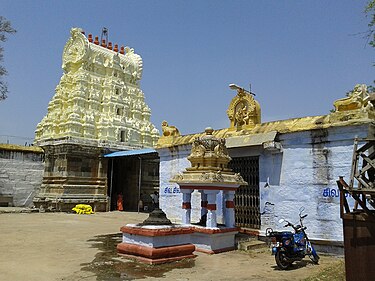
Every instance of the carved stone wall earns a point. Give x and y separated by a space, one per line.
73 175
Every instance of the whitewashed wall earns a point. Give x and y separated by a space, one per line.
310 164
303 174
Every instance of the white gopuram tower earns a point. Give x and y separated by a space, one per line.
98 107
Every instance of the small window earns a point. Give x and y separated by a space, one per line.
120 111
122 136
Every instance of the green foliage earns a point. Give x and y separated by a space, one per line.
370 12
371 88
5 29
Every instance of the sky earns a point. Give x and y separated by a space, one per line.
298 56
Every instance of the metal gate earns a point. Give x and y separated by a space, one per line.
246 199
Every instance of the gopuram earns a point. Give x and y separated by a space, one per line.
98 107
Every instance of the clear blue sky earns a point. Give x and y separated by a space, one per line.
299 56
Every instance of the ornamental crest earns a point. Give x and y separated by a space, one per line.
243 111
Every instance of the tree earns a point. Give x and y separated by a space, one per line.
370 11
5 28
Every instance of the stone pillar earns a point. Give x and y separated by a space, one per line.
186 205
229 209
211 208
203 203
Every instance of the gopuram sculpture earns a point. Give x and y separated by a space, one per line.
98 106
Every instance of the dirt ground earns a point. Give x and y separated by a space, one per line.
61 246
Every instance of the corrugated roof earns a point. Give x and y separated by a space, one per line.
131 152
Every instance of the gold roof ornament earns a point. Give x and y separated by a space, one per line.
169 135
359 104
356 99
209 160
243 111
169 131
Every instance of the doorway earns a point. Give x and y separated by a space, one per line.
135 178
246 198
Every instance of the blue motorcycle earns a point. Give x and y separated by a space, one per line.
289 247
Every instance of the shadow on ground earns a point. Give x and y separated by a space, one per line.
108 265
295 265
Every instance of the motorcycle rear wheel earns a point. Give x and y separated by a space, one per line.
281 260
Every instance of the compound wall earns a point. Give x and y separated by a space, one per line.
21 173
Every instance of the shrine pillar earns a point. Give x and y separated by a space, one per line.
211 208
186 205
229 209
204 203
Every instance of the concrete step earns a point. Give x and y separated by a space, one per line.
251 245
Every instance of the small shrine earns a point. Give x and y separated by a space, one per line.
209 175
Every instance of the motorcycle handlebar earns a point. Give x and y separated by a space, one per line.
304 216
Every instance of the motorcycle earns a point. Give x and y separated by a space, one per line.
289 247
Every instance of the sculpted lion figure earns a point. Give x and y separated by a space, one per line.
358 98
169 131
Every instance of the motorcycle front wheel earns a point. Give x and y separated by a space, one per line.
281 260
314 256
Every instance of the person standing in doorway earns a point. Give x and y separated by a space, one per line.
120 202
155 199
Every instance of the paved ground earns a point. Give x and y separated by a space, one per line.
61 246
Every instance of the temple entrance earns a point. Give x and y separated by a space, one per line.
246 199
133 176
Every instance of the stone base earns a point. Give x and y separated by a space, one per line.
214 240
156 244
151 255
66 204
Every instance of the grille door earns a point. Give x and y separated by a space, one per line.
246 199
